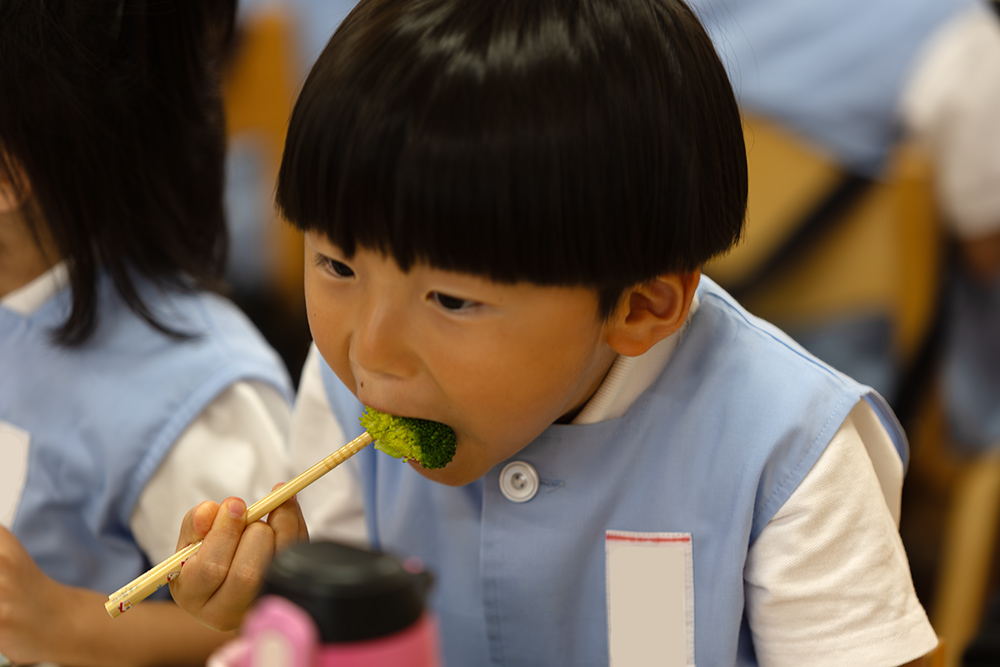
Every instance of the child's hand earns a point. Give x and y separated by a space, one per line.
44 621
29 604
220 582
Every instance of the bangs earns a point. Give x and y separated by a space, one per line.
505 143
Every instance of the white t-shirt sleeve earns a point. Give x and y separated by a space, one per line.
827 581
333 506
238 446
951 106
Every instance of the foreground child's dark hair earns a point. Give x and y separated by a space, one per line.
111 128
561 142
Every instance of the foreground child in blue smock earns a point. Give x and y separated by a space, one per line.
505 208
122 372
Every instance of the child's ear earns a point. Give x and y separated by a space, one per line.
651 311
10 198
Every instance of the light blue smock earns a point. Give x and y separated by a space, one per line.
102 417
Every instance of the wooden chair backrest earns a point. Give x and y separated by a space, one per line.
883 254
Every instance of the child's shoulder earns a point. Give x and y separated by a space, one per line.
210 336
731 334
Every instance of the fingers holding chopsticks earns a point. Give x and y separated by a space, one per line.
197 523
221 581
288 524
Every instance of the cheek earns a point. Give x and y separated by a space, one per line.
311 292
509 399
327 325
316 315
541 388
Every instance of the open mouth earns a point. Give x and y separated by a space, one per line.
430 443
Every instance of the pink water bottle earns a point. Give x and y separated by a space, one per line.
326 604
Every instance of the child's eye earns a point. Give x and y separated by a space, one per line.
338 269
452 302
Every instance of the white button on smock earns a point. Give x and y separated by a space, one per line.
518 482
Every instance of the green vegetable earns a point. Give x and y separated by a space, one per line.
430 443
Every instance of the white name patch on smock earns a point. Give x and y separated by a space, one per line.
14 443
650 582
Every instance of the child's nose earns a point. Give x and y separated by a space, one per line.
379 344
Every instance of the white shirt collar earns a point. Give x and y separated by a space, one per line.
29 298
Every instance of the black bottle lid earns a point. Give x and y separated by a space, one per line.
352 594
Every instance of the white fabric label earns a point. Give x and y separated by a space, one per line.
14 444
650 579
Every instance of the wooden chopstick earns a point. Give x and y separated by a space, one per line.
145 584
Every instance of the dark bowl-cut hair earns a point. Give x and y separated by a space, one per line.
591 143
111 125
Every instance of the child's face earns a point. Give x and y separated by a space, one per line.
498 363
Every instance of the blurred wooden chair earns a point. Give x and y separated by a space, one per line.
868 246
259 85
969 490
872 247
969 553
260 82
936 658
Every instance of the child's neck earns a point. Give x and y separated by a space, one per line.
21 258
607 360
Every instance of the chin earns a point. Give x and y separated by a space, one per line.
450 475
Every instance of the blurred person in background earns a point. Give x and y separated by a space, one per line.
855 78
127 383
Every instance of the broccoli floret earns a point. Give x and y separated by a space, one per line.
430 443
